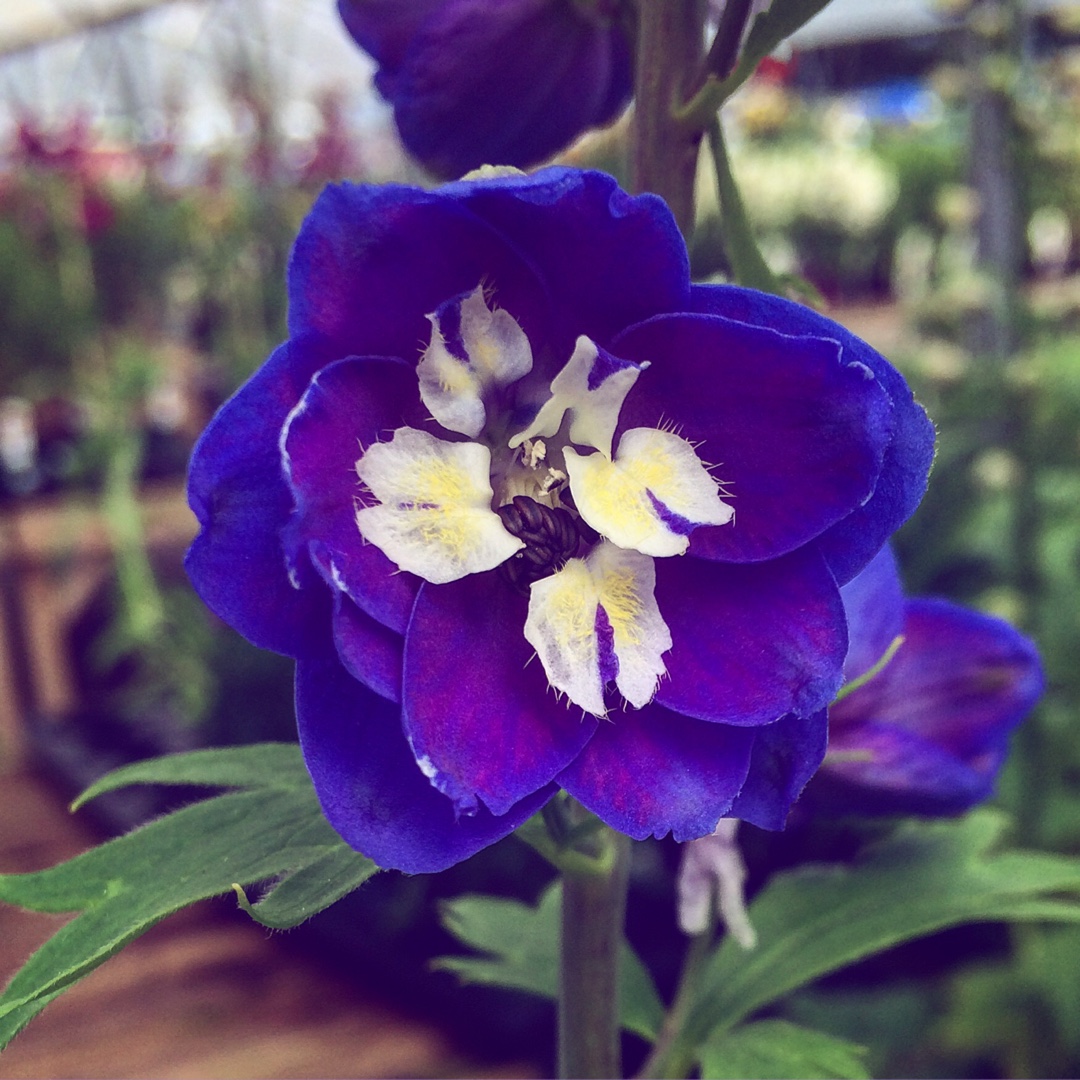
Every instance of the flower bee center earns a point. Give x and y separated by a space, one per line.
551 536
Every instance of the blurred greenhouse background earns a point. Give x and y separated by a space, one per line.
914 168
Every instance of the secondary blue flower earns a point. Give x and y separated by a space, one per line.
498 82
927 734
531 510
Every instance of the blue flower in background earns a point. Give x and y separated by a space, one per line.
532 511
497 82
927 734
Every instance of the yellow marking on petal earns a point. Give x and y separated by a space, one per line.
619 497
561 626
434 516
454 378
619 597
496 353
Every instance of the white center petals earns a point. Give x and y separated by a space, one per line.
473 350
651 496
434 518
592 386
596 621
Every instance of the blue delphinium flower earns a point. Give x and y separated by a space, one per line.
531 510
498 82
928 733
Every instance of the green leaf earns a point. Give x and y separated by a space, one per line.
780 20
748 265
125 886
262 765
777 1050
308 890
927 876
523 943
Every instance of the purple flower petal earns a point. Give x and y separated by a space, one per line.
883 769
961 680
874 604
348 406
478 711
370 263
650 772
609 259
851 543
370 787
786 755
370 652
384 28
928 733
236 488
507 83
795 432
752 641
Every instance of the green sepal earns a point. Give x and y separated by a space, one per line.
778 1050
522 943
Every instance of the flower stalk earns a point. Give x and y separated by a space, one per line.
593 912
671 1055
664 152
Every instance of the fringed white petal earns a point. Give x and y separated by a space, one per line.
561 627
651 497
592 386
473 350
596 621
434 518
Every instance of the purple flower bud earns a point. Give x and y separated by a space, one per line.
929 732
494 82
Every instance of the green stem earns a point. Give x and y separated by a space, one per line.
664 152
748 266
724 51
593 912
670 1056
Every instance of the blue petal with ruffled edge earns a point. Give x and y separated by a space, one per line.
238 561
369 786
852 542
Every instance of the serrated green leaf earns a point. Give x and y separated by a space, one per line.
523 947
261 765
125 886
780 20
927 876
777 1050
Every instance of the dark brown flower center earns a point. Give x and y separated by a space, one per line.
551 536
